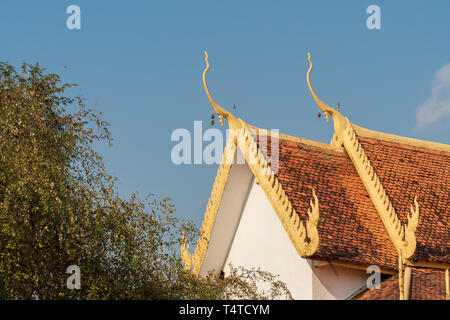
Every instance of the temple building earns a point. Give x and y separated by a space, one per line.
324 216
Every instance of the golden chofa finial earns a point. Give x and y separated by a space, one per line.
340 122
326 109
233 122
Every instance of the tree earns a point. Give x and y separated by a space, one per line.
59 207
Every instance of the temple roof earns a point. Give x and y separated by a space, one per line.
376 198
407 171
349 228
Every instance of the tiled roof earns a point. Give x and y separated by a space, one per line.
388 291
394 169
426 284
408 171
350 229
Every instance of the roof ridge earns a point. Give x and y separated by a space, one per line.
283 136
367 133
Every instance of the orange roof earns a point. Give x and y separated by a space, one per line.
365 188
349 227
426 284
408 171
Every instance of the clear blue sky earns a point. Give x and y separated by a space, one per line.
140 63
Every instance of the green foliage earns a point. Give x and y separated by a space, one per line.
59 207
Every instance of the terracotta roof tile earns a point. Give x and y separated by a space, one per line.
408 171
350 229
388 291
426 284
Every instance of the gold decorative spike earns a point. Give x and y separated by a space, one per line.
289 218
194 261
403 238
233 122
338 118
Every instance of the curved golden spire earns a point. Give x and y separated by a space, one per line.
326 109
403 237
233 122
340 122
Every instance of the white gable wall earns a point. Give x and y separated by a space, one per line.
335 282
261 240
248 233
230 209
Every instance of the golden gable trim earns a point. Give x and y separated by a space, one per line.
296 230
403 237
194 262
363 132
289 218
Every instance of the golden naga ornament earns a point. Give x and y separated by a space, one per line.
403 237
304 238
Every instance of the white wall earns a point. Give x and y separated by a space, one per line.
335 282
228 215
261 240
248 233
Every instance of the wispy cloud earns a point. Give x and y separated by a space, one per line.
438 103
